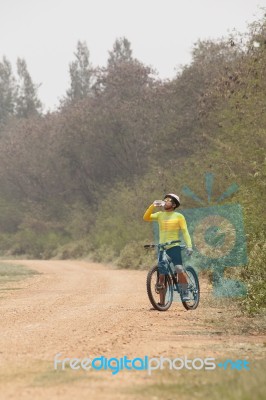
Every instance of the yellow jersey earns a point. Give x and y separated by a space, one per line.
170 223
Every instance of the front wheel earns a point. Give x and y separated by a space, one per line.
193 289
154 293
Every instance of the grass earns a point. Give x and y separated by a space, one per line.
227 315
216 384
50 377
42 374
164 384
13 273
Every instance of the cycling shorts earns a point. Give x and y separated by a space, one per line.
175 254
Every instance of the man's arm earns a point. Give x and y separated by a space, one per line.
185 232
148 212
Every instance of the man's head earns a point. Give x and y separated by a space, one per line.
172 201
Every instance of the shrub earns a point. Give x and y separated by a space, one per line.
254 274
134 256
103 253
40 246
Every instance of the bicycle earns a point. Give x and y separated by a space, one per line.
171 283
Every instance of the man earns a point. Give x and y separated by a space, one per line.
170 222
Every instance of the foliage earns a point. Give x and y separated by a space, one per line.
12 273
255 276
133 256
122 138
81 74
7 91
41 246
18 97
28 103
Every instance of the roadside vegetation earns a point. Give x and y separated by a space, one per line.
219 384
10 273
76 181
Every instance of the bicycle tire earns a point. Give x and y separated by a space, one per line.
154 296
194 289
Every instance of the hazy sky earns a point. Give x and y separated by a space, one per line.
161 32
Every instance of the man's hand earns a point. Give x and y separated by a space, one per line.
189 251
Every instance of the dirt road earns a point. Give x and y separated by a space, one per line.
82 309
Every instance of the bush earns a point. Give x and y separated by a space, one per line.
134 256
40 246
103 253
254 274
73 250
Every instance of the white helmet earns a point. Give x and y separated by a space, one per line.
174 197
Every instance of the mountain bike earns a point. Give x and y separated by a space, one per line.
171 285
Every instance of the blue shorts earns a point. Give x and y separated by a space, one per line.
175 254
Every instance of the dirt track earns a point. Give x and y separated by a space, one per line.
81 309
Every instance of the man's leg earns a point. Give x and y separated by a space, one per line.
183 283
162 271
182 278
161 281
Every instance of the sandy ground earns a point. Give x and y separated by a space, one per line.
82 309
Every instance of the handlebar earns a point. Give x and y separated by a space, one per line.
163 245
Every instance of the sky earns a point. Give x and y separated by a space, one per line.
161 32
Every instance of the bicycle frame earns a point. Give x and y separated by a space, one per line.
167 259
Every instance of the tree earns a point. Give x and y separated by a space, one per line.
121 52
30 166
7 91
193 94
81 74
125 100
28 103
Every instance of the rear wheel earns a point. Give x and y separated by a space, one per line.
154 293
193 289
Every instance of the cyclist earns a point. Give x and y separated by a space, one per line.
170 222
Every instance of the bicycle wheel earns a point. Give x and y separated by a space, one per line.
154 294
193 289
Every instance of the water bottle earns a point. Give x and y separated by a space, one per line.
159 203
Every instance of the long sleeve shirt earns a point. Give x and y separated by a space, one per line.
170 223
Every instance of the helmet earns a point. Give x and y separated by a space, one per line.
174 197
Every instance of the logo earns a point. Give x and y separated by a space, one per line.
218 236
238 364
146 363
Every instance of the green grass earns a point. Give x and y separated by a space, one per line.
42 374
216 384
13 273
51 377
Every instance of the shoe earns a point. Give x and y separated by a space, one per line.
185 296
